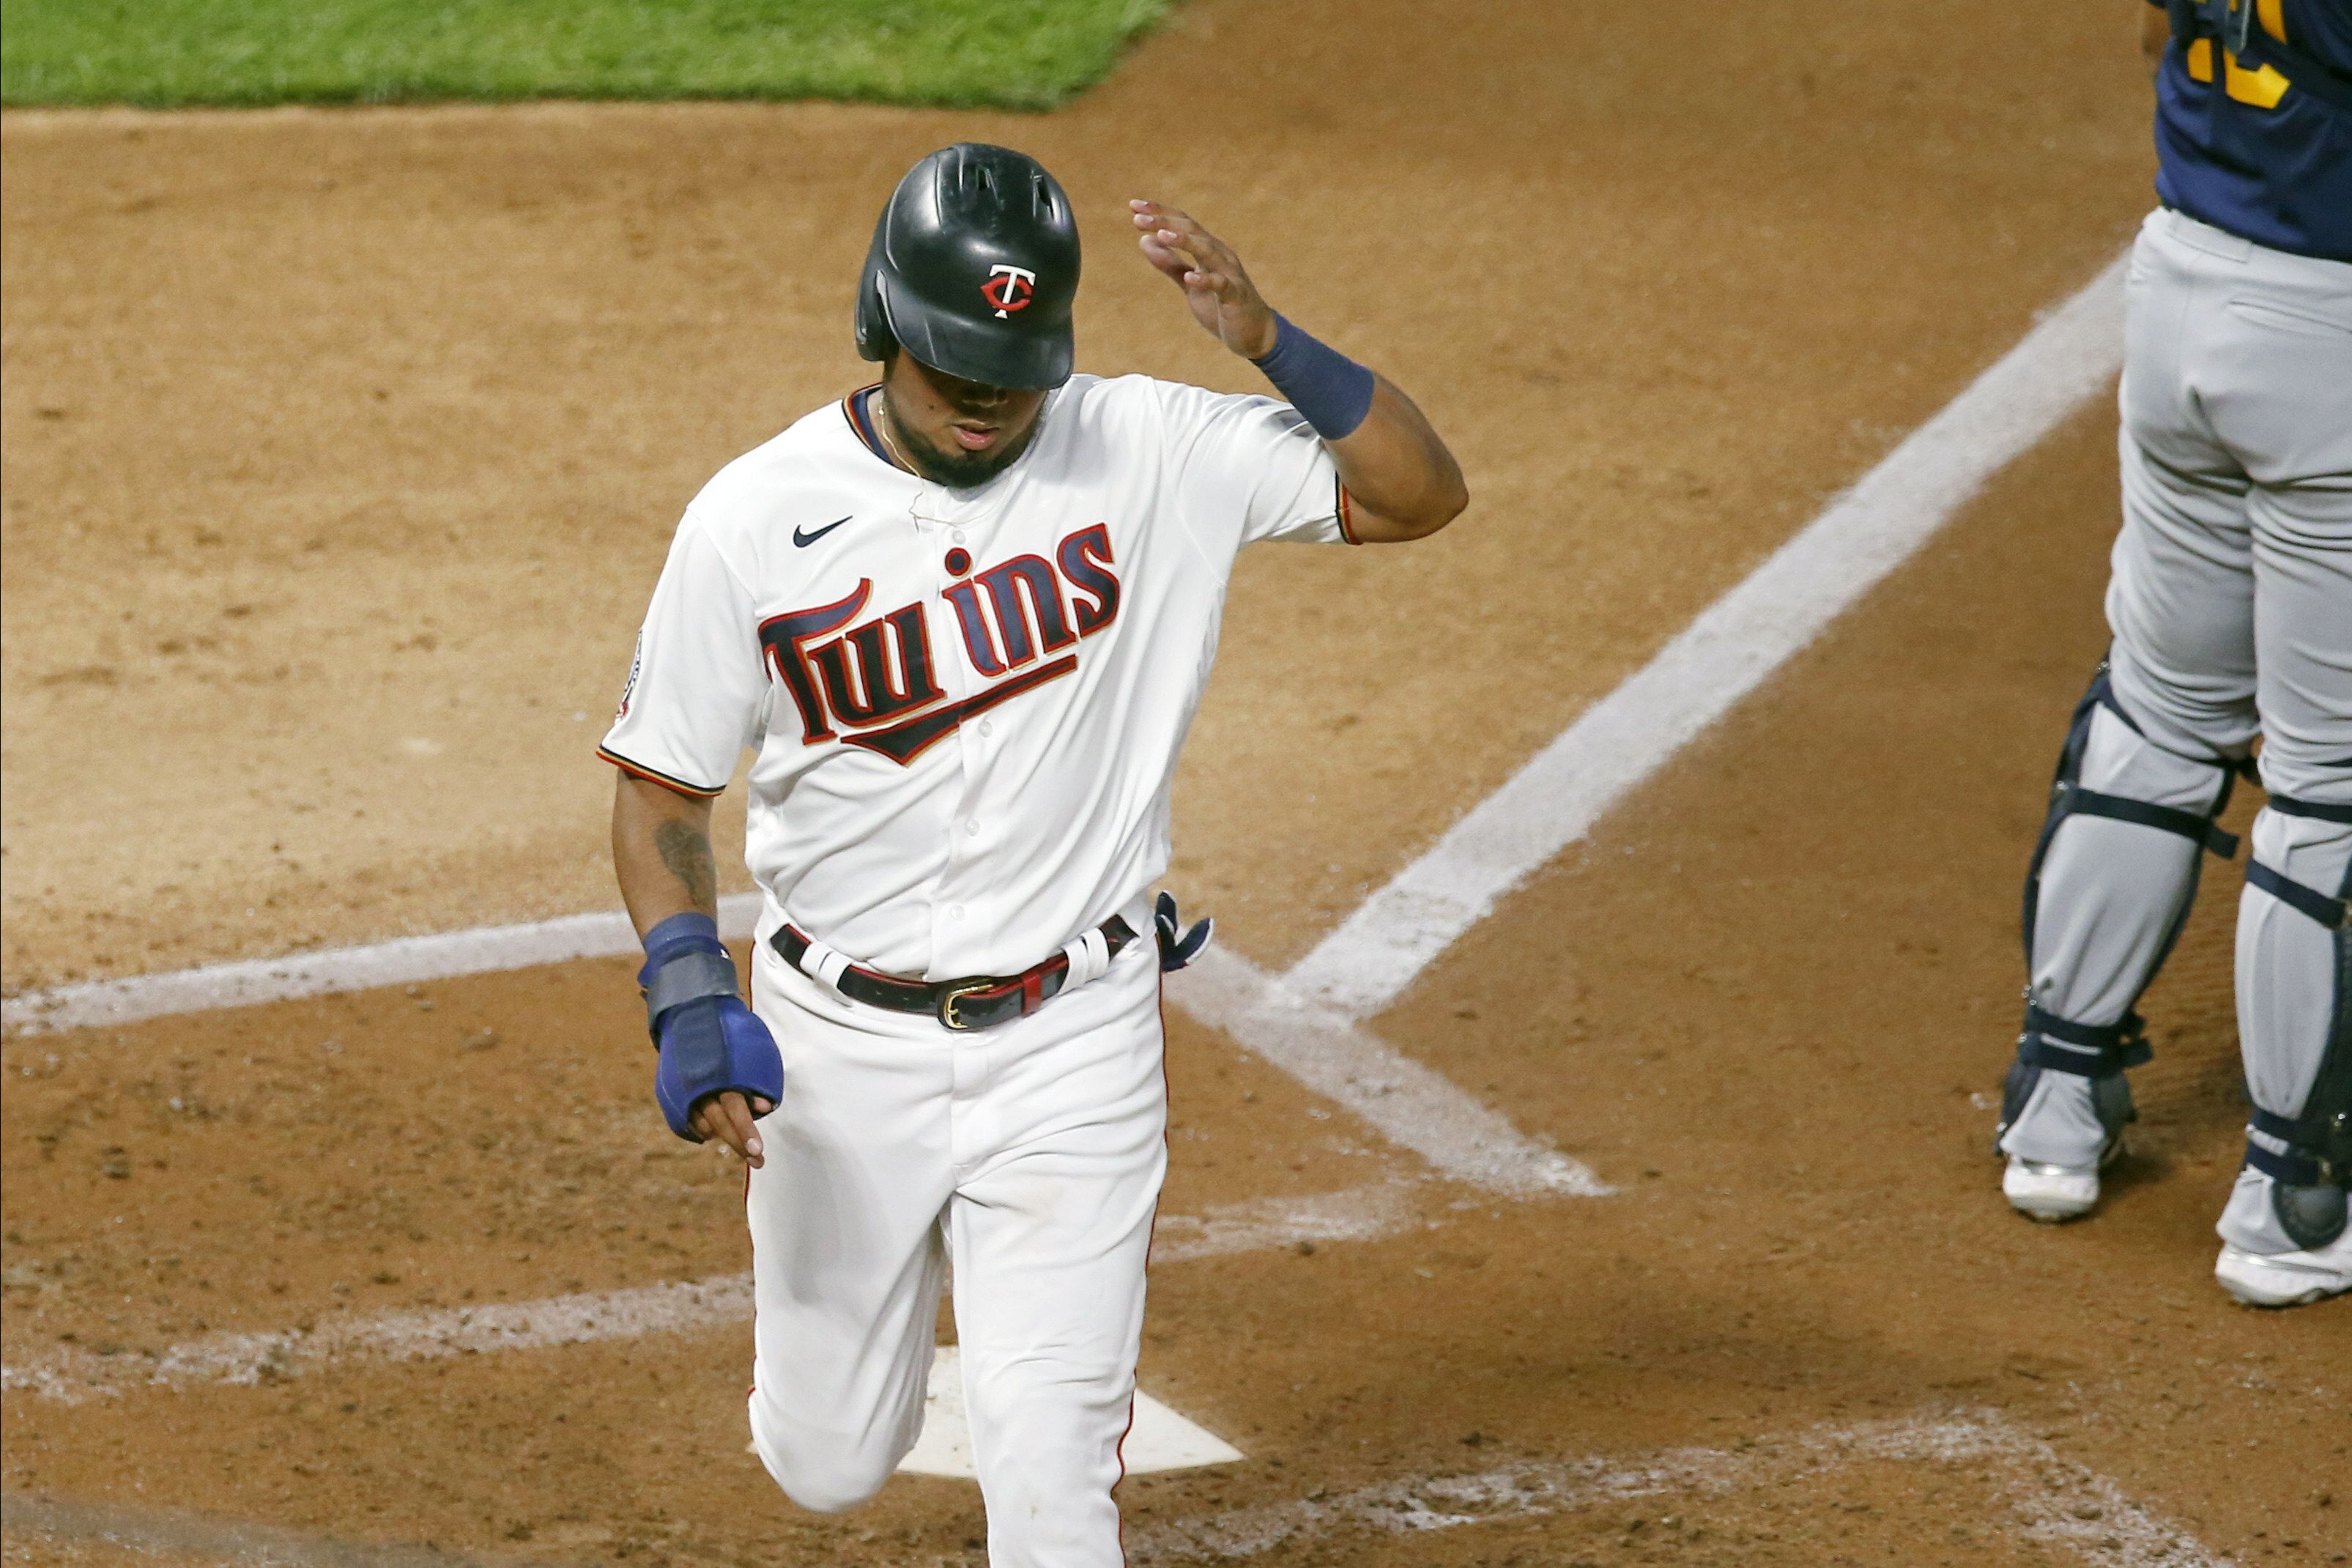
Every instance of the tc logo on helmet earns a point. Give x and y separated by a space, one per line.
1008 289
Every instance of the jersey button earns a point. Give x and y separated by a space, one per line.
972 827
957 537
955 912
987 728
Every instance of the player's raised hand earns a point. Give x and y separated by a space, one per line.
1224 301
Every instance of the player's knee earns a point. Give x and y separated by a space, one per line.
2112 750
822 1471
2211 715
822 1480
827 1488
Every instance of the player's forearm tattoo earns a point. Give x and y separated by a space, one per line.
686 851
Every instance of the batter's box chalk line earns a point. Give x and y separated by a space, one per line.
73 1375
2047 1498
2051 1499
1408 1103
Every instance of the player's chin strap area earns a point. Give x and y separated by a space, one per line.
985 1001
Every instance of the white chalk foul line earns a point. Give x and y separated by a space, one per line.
2055 1498
72 1374
1739 641
409 960
1408 1103
1265 1224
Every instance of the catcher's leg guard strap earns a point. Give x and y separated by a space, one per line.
2310 1142
2090 1051
2069 796
2311 1177
2127 755
2097 1054
2334 914
2074 797
2317 811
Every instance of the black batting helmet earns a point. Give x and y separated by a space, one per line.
973 270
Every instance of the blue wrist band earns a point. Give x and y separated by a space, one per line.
1332 390
685 961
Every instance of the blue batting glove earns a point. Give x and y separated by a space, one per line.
710 1041
708 1047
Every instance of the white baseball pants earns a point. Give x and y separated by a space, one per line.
1031 1156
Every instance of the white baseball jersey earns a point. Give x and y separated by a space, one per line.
966 704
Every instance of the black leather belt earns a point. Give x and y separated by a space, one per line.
979 1001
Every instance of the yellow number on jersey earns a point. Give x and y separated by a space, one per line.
2262 87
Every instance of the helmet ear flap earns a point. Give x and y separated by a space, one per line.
874 338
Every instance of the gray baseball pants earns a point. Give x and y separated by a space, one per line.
2231 604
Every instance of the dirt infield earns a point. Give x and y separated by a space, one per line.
341 448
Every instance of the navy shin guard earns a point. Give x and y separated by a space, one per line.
2112 879
2308 1154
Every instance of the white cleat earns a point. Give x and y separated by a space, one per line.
2286 1279
2050 1194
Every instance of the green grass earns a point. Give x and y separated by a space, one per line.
1004 54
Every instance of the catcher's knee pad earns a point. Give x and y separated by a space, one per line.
2308 1155
2103 907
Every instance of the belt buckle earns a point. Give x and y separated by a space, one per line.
956 992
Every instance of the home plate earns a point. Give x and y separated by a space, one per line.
1161 1439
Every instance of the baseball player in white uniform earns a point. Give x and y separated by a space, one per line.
962 620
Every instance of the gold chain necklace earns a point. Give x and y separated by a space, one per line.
882 428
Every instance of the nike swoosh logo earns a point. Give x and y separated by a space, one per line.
804 539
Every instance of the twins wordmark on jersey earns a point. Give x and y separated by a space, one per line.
964 705
878 680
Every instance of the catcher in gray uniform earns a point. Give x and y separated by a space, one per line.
2232 608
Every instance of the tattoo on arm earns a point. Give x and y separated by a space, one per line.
686 852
